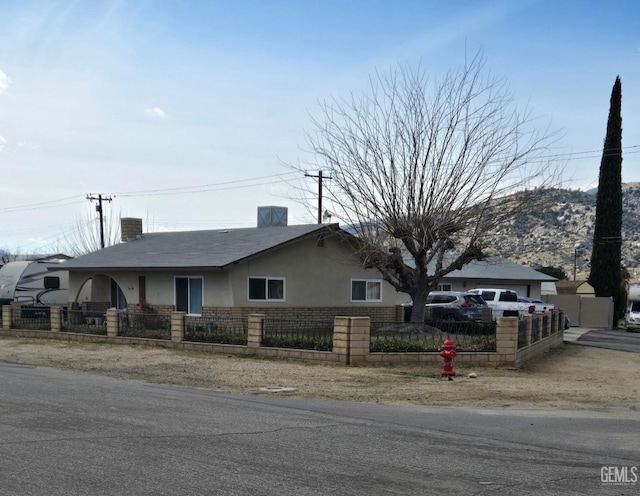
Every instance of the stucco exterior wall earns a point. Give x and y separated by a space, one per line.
316 275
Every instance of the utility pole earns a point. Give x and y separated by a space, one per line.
99 210
319 177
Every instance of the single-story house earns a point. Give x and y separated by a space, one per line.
497 272
284 271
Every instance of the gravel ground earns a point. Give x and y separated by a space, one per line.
570 376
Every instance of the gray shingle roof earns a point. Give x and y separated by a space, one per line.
499 268
193 249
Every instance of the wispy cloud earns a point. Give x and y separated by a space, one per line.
29 145
3 143
4 82
156 113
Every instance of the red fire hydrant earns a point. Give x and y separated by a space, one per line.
448 353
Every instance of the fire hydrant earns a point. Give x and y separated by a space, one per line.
448 353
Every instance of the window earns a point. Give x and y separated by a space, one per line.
489 295
440 299
51 282
266 289
508 296
189 294
444 287
366 290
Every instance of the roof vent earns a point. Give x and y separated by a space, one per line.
272 216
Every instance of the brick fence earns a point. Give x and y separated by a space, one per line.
515 341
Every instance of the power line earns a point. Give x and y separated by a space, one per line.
41 205
239 183
202 188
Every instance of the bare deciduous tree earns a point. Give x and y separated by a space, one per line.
425 172
85 235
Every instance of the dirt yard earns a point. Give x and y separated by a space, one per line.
570 376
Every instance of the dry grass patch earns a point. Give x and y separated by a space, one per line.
570 376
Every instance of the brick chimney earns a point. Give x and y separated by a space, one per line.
130 228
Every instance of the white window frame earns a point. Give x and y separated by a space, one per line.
175 293
266 279
367 299
445 286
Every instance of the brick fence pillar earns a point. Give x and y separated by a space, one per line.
6 316
56 319
113 322
177 326
254 330
341 327
359 339
507 341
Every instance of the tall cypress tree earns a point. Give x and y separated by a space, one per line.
606 258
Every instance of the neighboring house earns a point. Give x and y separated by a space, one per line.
582 288
497 272
284 271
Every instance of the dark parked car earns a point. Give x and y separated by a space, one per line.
456 305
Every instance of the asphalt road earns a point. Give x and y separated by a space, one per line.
613 339
68 433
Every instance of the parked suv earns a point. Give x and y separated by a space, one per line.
456 305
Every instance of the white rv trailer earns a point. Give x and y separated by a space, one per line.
39 282
633 307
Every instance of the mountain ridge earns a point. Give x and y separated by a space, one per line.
562 235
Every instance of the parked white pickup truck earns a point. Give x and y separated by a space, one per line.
541 306
504 302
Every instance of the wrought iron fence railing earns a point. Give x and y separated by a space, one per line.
522 333
409 337
299 334
84 322
535 329
31 317
145 325
221 330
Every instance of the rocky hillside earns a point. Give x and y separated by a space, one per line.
553 237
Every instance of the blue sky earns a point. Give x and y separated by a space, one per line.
187 111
